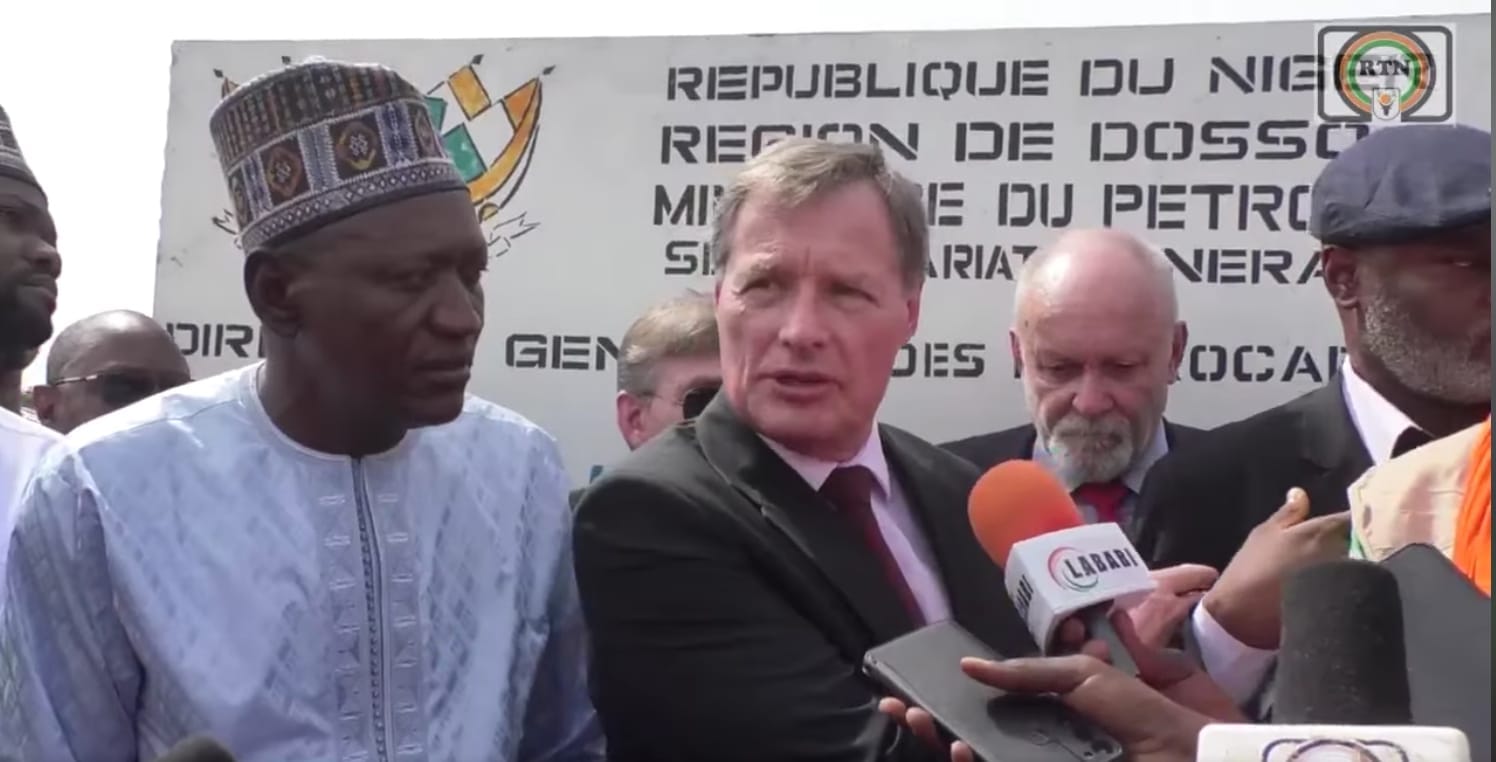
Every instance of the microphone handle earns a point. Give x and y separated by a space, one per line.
1099 626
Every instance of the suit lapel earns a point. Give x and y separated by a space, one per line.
1025 448
1329 442
973 582
1171 435
788 503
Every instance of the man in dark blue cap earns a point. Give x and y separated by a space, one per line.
1404 222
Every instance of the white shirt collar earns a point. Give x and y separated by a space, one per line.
815 471
1378 421
1157 448
23 427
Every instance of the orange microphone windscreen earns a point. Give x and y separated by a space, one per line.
1017 500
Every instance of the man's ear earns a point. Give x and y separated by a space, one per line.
1177 345
269 283
1342 275
630 413
911 309
44 401
1016 349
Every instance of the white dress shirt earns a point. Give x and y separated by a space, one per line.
906 543
22 444
1378 421
1235 666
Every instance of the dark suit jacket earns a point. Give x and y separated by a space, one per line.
987 450
1199 503
730 607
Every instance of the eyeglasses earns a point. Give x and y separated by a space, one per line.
118 388
696 400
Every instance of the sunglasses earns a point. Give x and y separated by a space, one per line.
696 400
118 388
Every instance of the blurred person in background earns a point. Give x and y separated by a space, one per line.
29 267
1098 341
103 363
668 369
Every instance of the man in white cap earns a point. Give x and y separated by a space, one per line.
334 554
29 266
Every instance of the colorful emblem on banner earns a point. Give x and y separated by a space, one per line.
1387 74
491 140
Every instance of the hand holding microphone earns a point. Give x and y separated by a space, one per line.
1156 718
1056 567
1058 572
1179 589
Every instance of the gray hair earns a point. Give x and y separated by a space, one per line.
793 171
683 326
1146 254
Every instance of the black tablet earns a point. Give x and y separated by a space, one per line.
923 669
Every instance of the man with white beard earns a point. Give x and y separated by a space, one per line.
1097 339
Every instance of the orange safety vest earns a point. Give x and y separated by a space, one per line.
1472 537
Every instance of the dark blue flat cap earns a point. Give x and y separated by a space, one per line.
1403 183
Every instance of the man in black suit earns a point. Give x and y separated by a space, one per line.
734 570
667 369
1403 217
1098 341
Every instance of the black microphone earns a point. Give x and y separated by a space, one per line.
1343 679
1447 631
197 749
1342 660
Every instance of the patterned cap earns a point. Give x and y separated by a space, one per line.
12 163
322 140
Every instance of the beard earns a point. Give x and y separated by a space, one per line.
1088 450
1442 368
23 326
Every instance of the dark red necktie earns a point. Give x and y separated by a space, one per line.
1105 498
850 489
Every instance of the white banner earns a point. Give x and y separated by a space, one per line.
594 163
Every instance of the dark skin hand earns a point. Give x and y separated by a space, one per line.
1246 600
1156 717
